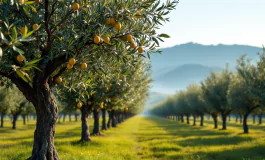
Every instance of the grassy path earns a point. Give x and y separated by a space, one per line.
142 138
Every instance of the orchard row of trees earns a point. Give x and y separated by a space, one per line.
221 94
53 48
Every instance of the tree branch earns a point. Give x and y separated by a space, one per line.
24 87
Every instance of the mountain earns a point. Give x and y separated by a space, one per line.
186 74
207 55
181 65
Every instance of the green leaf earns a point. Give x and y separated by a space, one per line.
164 35
32 7
25 32
34 61
1 52
18 50
20 74
14 33
30 2
148 56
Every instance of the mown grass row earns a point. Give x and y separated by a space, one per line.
142 138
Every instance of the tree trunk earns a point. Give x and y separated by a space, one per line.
240 118
182 118
215 121
59 118
224 117
254 119
245 125
109 121
85 135
24 119
113 119
14 122
236 118
64 116
104 125
229 117
188 119
260 118
194 120
76 117
69 117
47 114
202 118
96 130
2 120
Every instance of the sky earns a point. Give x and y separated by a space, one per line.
215 22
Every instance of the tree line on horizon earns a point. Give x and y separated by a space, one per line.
221 94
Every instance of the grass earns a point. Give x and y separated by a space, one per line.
144 138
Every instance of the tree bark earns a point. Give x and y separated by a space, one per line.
202 119
245 125
24 119
224 117
104 125
85 135
96 130
14 122
215 121
109 121
47 114
260 118
2 120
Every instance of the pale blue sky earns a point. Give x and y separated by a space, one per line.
217 21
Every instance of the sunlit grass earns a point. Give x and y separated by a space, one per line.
142 138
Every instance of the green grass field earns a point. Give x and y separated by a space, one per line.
142 138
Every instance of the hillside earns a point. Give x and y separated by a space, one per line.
183 64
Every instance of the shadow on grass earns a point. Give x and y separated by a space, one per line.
214 141
167 133
250 153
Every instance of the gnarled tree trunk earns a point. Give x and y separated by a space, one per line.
47 114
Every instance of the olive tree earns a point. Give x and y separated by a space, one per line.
38 39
